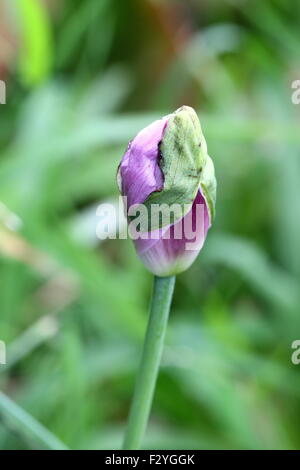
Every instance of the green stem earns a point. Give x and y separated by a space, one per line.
148 371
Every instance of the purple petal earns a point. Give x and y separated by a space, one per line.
139 171
170 255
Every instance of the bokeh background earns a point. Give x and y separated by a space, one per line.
82 78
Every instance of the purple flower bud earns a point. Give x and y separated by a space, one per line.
167 165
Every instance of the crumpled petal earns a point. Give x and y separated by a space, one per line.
139 171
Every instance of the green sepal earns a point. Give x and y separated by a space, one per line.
186 167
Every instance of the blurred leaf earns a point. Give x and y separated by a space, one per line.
276 285
36 39
26 425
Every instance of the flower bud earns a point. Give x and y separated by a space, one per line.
168 179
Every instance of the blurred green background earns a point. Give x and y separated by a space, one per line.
82 78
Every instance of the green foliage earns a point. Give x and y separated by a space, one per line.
36 39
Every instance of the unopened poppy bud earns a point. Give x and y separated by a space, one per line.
169 182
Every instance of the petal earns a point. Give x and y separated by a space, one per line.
169 255
139 171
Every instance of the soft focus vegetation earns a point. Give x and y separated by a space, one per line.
82 78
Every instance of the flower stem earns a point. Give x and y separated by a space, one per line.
148 370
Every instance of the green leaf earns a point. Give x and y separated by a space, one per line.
27 426
36 41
